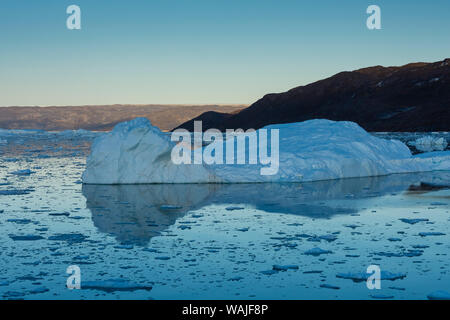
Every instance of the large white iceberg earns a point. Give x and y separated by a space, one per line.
136 152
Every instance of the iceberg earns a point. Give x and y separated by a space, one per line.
429 143
136 152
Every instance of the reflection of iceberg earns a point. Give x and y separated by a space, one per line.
309 199
136 213
136 152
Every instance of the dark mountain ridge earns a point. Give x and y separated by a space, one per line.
413 97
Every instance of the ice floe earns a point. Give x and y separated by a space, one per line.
68 237
25 172
136 152
427 234
284 267
429 143
413 221
316 252
25 237
12 192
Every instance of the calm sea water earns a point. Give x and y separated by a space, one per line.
260 241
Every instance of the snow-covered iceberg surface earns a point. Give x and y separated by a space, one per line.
135 152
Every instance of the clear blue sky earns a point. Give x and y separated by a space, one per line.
202 51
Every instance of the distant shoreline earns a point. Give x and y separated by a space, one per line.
103 117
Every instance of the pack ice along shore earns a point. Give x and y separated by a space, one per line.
136 152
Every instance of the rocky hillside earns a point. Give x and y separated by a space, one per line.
413 97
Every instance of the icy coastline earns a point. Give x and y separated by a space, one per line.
136 152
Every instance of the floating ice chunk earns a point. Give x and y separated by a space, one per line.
284 268
80 257
437 203
137 152
269 272
114 285
26 237
59 214
236 279
320 238
413 221
316 252
69 237
162 258
124 246
20 221
169 207
427 234
25 172
429 143
15 192
409 253
328 237
232 208
439 295
420 246
362 276
329 286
